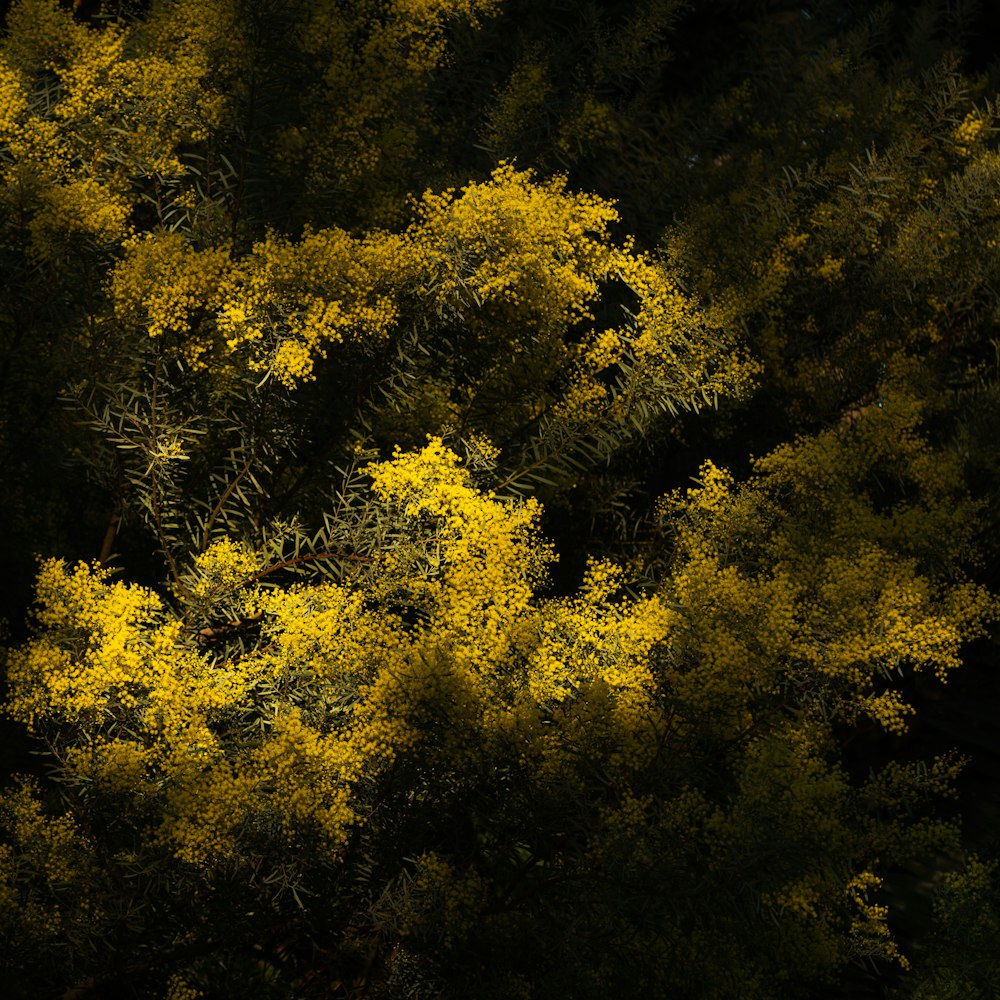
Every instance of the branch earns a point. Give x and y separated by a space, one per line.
227 493
313 557
110 535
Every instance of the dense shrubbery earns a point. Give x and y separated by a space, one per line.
381 644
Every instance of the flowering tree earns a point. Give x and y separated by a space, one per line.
321 711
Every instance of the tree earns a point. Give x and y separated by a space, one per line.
346 731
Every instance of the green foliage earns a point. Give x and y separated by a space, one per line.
959 959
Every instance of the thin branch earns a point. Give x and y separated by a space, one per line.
109 536
154 497
227 493
313 557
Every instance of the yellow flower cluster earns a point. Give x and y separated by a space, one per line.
592 654
106 655
442 658
121 113
313 772
511 253
438 886
524 242
800 898
48 840
13 101
592 121
178 988
969 132
325 629
678 346
41 35
109 654
203 809
296 299
93 650
224 567
520 102
869 930
80 206
165 286
773 274
40 855
117 766
842 602
377 58
488 551
530 246
831 269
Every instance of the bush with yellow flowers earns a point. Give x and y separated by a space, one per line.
431 759
336 681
